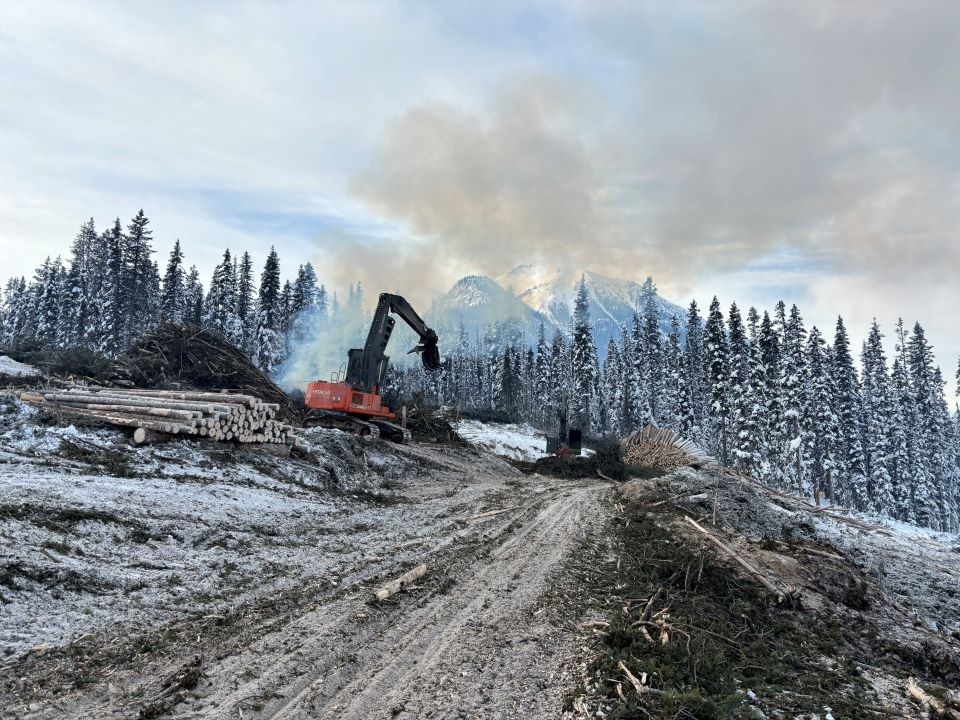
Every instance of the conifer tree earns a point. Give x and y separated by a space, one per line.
48 289
792 394
76 312
878 414
926 501
543 414
559 376
818 421
137 280
269 347
219 314
584 364
750 410
192 309
775 452
718 368
672 362
652 350
108 336
17 303
852 491
694 365
245 309
613 387
173 303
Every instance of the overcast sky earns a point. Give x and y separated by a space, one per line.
757 150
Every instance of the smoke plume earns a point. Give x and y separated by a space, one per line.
826 129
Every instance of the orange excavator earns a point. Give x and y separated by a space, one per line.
354 402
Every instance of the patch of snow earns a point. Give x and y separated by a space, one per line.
517 442
9 366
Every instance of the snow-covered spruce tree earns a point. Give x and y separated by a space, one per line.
559 378
652 349
944 458
613 387
76 315
626 412
245 310
192 308
750 411
878 416
718 367
173 304
818 421
286 313
902 444
851 482
219 312
107 334
18 310
775 451
638 373
459 369
509 395
925 393
682 411
49 286
542 412
269 346
672 360
137 280
792 394
302 302
694 364
584 365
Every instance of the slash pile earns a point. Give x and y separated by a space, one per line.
219 416
661 447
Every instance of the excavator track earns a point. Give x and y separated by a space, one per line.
392 431
341 421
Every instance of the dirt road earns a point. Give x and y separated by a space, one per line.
492 631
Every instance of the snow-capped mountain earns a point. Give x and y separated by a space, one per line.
477 302
530 294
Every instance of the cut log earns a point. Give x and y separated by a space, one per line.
143 436
401 583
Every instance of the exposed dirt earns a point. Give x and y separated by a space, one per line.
493 630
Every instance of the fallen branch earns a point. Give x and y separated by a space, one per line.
743 563
928 701
401 583
632 679
490 513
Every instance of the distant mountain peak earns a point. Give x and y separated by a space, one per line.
532 293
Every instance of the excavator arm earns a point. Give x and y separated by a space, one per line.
366 367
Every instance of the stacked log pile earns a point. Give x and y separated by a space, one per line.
215 415
661 447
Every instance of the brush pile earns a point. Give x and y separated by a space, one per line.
662 448
175 357
216 415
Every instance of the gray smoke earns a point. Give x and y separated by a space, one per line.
827 128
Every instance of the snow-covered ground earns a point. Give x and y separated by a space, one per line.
517 442
9 366
95 531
